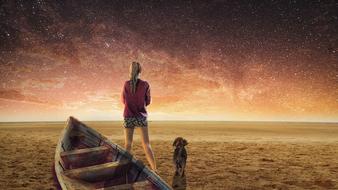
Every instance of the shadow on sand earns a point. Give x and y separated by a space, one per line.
179 181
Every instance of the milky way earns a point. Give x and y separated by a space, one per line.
204 60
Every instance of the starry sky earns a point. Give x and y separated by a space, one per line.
205 60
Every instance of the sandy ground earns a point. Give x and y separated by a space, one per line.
221 155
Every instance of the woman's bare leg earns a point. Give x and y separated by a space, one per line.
128 138
147 148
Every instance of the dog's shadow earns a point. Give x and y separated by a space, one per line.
179 181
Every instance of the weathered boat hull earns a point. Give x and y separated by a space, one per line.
85 159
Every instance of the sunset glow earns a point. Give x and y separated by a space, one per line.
202 62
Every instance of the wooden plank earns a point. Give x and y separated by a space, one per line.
73 184
133 174
100 172
65 142
82 129
85 157
77 138
140 185
85 150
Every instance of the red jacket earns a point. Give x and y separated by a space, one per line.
135 104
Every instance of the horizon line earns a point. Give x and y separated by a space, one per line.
237 121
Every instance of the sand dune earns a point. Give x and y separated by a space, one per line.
221 155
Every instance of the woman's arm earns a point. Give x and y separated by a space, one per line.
148 97
123 95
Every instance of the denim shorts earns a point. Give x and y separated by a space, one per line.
132 122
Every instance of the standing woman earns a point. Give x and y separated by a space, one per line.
135 97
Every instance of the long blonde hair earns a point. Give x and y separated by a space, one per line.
134 71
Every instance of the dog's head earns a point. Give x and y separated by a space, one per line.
180 142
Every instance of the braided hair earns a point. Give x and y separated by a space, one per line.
134 71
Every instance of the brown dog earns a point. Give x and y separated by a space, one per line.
180 159
180 155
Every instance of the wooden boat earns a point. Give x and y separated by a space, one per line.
85 159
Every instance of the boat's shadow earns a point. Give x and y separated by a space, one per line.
179 182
